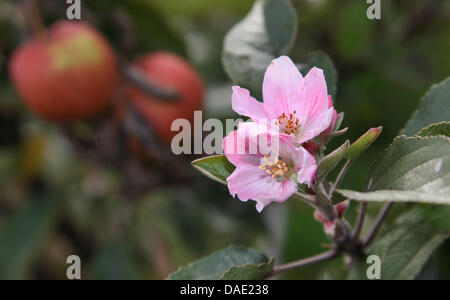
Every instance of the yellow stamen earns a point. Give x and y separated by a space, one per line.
274 166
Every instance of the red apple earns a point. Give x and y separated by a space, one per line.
171 72
69 74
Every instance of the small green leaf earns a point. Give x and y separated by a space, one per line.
322 61
264 34
397 196
406 247
433 108
23 235
329 162
216 167
340 119
217 264
249 272
361 144
442 128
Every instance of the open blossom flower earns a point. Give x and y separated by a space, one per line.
299 105
266 177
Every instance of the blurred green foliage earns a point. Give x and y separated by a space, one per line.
384 67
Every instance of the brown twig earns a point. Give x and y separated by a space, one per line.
360 222
384 211
326 256
33 14
340 177
134 76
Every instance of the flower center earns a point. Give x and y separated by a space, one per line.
274 166
289 124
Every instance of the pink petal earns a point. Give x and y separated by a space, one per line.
248 182
308 167
314 126
246 105
313 106
316 91
236 150
327 131
261 138
278 192
281 87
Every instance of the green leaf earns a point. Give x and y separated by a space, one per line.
412 169
249 272
23 235
264 34
419 164
216 265
442 128
433 108
216 167
329 162
281 24
322 61
396 196
363 143
406 247
339 120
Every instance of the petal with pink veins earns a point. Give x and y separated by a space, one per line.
308 167
246 105
281 86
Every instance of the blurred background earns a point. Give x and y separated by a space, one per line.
84 189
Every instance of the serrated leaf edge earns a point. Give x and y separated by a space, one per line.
422 100
206 256
269 261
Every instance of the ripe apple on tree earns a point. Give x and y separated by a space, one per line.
171 72
68 74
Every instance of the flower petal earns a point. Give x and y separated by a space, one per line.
248 182
308 166
246 105
315 126
316 92
312 108
278 192
236 149
327 131
281 87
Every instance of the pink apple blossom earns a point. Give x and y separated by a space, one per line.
299 106
266 177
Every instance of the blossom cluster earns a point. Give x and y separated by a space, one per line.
295 111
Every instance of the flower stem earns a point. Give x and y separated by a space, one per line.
340 177
384 211
360 222
329 255
308 199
